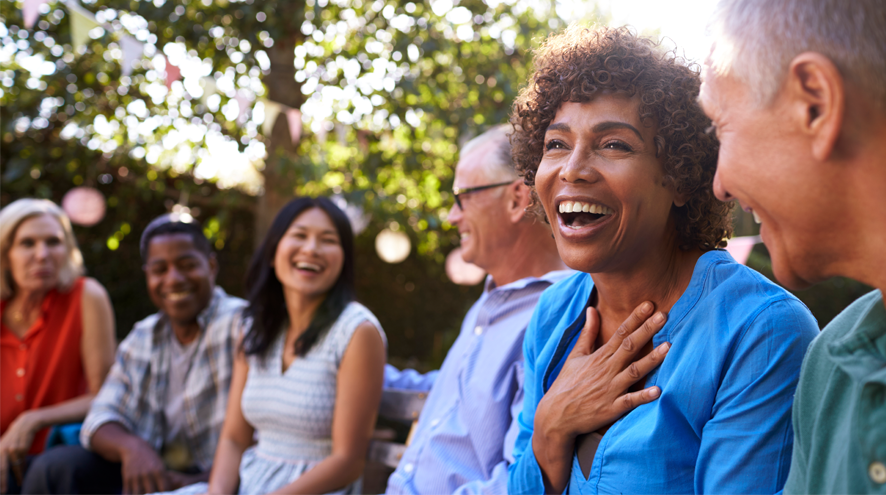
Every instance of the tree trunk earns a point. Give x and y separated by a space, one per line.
282 88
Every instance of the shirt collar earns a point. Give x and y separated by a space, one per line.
863 348
551 277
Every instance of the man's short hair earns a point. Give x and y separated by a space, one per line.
500 165
756 40
172 223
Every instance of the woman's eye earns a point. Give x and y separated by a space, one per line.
55 241
330 240
554 144
617 145
27 243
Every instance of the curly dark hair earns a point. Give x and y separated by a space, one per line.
580 63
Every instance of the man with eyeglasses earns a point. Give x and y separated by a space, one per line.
465 435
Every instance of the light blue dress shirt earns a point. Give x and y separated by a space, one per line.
723 421
466 431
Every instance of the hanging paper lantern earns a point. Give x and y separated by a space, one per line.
84 206
460 271
392 246
740 247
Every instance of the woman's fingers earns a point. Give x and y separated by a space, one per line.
628 402
635 371
640 315
585 343
637 339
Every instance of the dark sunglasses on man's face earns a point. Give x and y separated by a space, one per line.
457 192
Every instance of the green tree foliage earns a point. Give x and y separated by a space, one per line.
388 88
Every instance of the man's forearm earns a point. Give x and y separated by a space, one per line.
112 440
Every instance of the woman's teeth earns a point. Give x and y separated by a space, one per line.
579 207
756 217
302 265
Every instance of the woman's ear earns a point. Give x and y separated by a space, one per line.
680 199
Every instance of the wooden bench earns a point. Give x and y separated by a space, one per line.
385 452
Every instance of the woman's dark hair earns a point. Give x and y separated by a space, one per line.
267 305
580 64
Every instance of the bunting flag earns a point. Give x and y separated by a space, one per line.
242 105
272 110
173 74
31 11
740 247
132 50
82 21
293 118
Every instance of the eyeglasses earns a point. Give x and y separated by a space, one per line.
456 191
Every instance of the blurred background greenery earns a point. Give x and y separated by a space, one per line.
387 89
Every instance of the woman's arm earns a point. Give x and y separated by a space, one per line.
358 393
236 435
746 446
97 354
98 342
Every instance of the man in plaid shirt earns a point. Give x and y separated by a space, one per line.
155 422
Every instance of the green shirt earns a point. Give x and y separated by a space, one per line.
840 406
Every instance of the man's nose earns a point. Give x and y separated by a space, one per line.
455 214
174 275
719 190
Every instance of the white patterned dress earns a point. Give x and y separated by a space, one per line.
292 410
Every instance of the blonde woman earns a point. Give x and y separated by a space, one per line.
56 332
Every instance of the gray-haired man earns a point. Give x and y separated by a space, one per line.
796 91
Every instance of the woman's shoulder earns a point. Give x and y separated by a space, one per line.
747 302
352 318
93 292
742 286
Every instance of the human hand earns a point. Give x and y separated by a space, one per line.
590 391
143 470
14 446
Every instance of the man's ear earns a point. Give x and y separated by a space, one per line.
817 98
213 265
519 197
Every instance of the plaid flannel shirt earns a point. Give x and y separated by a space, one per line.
134 391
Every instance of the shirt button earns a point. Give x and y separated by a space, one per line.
408 468
20 372
478 330
435 422
877 472
19 397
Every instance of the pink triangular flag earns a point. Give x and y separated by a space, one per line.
173 74
31 11
740 247
242 104
293 118
132 51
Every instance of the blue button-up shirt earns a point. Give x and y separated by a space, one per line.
465 433
723 421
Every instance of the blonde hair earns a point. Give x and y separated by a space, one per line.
12 216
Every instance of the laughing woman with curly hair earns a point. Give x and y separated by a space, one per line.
665 366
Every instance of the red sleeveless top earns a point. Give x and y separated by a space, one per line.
45 367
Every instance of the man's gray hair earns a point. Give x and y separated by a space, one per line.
756 40
500 166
